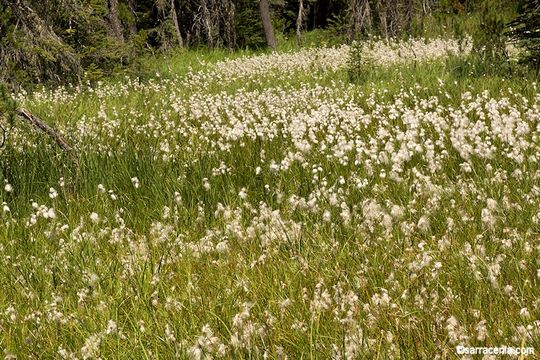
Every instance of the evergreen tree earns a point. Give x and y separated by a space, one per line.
525 30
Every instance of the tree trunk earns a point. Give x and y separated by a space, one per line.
410 15
133 22
382 10
114 21
176 24
267 24
359 18
426 7
299 22
208 23
393 17
229 23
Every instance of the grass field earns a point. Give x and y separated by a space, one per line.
265 206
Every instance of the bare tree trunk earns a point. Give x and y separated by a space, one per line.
366 16
176 24
114 21
299 22
133 23
390 16
355 18
267 24
360 17
208 24
382 10
393 17
410 14
427 7
228 23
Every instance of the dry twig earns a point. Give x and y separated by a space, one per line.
43 127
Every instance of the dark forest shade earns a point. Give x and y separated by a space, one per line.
525 30
57 41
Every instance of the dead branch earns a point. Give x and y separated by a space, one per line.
43 127
3 136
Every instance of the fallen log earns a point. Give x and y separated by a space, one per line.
43 127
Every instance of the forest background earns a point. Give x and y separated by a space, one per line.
73 41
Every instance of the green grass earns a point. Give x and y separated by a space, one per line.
162 278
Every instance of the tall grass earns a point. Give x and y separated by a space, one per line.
258 217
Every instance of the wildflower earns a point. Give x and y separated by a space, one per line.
243 194
423 223
456 333
91 345
206 184
524 313
488 219
169 334
111 327
135 182
327 216
222 246
177 198
481 331
491 204
166 212
397 212
94 217
49 214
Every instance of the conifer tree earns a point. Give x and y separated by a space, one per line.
525 30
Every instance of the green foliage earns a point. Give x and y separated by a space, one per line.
489 40
8 106
31 51
56 47
359 68
8 110
525 31
248 26
488 55
474 65
132 268
66 41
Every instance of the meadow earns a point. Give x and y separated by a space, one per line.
274 206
